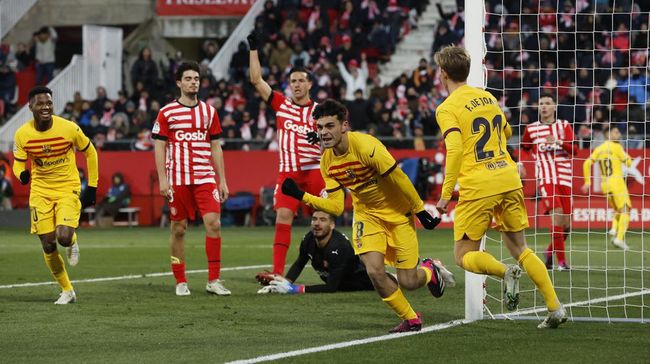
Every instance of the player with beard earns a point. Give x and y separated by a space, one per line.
299 156
332 257
188 152
49 142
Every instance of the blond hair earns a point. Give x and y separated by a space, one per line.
455 61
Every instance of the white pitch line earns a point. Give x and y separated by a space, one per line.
345 344
131 276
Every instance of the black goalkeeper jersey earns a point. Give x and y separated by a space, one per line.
336 264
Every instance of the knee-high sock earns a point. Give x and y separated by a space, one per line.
213 251
615 221
281 244
74 239
400 305
539 275
558 244
483 263
55 263
178 268
623 223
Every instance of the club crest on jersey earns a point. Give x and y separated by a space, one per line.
172 210
47 148
215 195
350 173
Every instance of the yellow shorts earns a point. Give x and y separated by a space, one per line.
618 196
472 218
397 242
49 212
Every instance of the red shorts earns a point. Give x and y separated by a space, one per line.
187 199
557 196
309 181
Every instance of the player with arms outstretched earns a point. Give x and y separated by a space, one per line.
475 132
49 142
384 202
550 141
299 158
188 151
610 158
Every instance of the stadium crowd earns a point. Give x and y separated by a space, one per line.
531 49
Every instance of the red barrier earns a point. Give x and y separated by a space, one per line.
250 171
203 7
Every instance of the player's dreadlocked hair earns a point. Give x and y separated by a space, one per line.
186 66
330 107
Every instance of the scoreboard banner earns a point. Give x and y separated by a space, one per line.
203 8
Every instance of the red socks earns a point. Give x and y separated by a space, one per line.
213 251
281 244
179 272
557 236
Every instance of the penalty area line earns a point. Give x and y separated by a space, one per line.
130 276
346 344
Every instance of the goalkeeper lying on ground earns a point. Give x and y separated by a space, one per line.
332 257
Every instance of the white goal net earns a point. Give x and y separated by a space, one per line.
592 57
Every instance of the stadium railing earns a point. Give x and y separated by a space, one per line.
11 11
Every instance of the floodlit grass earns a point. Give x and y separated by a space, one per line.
141 320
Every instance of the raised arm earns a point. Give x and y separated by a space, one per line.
255 69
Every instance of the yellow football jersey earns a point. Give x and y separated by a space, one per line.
610 158
480 164
362 170
52 155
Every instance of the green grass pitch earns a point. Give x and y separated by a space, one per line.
141 320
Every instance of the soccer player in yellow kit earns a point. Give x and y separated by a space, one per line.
384 202
475 132
49 142
610 157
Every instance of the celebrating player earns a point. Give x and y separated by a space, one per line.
49 142
384 201
298 158
551 143
332 257
188 150
475 132
610 157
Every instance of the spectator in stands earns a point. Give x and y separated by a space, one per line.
423 77
210 49
280 55
118 196
144 70
299 58
7 87
45 45
119 126
99 102
23 55
348 52
356 78
358 110
443 37
239 63
6 191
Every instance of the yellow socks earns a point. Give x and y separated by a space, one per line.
615 221
483 263
55 263
623 223
400 305
539 275
427 274
74 239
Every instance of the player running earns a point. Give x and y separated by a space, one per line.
188 151
611 157
475 132
384 202
49 142
299 158
550 141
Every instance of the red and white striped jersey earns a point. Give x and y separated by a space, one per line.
188 132
293 123
552 161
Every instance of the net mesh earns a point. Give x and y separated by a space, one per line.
592 57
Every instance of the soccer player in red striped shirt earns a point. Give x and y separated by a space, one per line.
188 151
299 159
550 141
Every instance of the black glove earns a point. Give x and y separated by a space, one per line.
428 222
24 177
89 197
290 188
312 138
252 40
